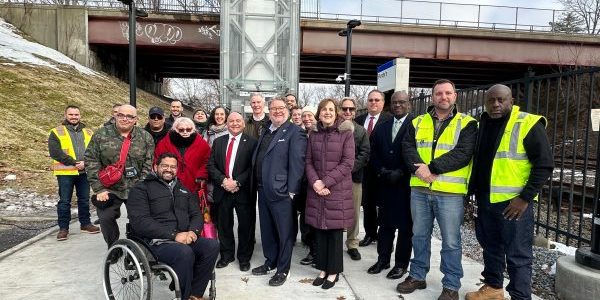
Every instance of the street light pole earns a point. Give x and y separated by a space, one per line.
132 59
348 34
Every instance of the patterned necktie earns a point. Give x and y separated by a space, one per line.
370 126
396 128
228 157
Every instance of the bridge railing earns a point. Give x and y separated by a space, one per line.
415 12
568 100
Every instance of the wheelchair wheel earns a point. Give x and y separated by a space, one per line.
127 273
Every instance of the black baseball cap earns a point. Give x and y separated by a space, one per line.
156 111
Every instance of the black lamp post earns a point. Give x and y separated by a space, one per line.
348 34
133 13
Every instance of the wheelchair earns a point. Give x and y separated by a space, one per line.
130 268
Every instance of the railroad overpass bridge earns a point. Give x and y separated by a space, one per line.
172 45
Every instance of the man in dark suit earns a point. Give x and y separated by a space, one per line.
278 166
374 116
392 189
230 170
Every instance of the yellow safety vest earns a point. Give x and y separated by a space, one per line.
511 166
456 181
67 146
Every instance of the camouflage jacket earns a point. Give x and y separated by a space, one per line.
104 149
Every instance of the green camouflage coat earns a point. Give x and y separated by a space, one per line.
104 149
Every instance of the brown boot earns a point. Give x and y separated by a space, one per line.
448 294
62 235
89 228
410 284
486 292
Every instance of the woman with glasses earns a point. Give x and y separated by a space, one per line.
200 118
329 206
192 152
217 124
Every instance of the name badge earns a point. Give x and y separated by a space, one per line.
130 172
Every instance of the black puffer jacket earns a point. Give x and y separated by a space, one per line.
157 213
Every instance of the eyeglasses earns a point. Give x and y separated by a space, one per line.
399 102
172 167
279 108
182 130
126 117
348 108
374 100
156 117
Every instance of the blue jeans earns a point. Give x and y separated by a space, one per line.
507 244
449 211
66 183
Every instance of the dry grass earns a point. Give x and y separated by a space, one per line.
32 101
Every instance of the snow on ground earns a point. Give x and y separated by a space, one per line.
15 48
562 248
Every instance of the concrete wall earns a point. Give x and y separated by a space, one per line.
61 28
65 29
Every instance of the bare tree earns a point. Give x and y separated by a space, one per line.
313 93
198 93
585 11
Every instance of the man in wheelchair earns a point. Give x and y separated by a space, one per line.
168 217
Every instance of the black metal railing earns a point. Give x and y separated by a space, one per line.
569 199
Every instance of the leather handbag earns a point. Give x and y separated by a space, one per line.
112 173
209 231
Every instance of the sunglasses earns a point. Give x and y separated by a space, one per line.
182 130
348 108
156 117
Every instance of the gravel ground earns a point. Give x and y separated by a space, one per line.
23 215
544 259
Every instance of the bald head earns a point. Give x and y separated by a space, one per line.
126 118
498 101
235 123
400 104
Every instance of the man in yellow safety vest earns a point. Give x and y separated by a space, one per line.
512 160
438 149
67 144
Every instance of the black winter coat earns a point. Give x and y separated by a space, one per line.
155 212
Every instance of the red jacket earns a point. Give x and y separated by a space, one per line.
193 164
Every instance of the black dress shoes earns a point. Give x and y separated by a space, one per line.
319 281
222 263
378 267
396 273
244 266
329 284
262 270
367 241
278 279
354 254
309 259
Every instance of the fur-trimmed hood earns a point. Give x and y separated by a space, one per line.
339 125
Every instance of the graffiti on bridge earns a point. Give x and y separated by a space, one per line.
157 33
210 31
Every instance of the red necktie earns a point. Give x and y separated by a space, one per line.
228 157
370 127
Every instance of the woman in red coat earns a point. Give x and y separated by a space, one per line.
192 152
329 205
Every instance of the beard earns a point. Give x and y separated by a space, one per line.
166 176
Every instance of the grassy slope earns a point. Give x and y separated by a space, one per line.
32 101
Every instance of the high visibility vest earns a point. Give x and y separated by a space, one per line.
67 146
511 166
456 181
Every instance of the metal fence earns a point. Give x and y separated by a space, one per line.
569 199
415 12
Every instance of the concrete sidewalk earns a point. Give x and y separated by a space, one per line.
47 269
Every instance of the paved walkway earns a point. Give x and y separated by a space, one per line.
47 269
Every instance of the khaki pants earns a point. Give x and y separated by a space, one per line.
352 233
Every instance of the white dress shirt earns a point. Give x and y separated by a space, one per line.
233 151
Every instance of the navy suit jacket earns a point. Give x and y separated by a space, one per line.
283 165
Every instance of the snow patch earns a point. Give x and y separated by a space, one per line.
562 248
15 48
